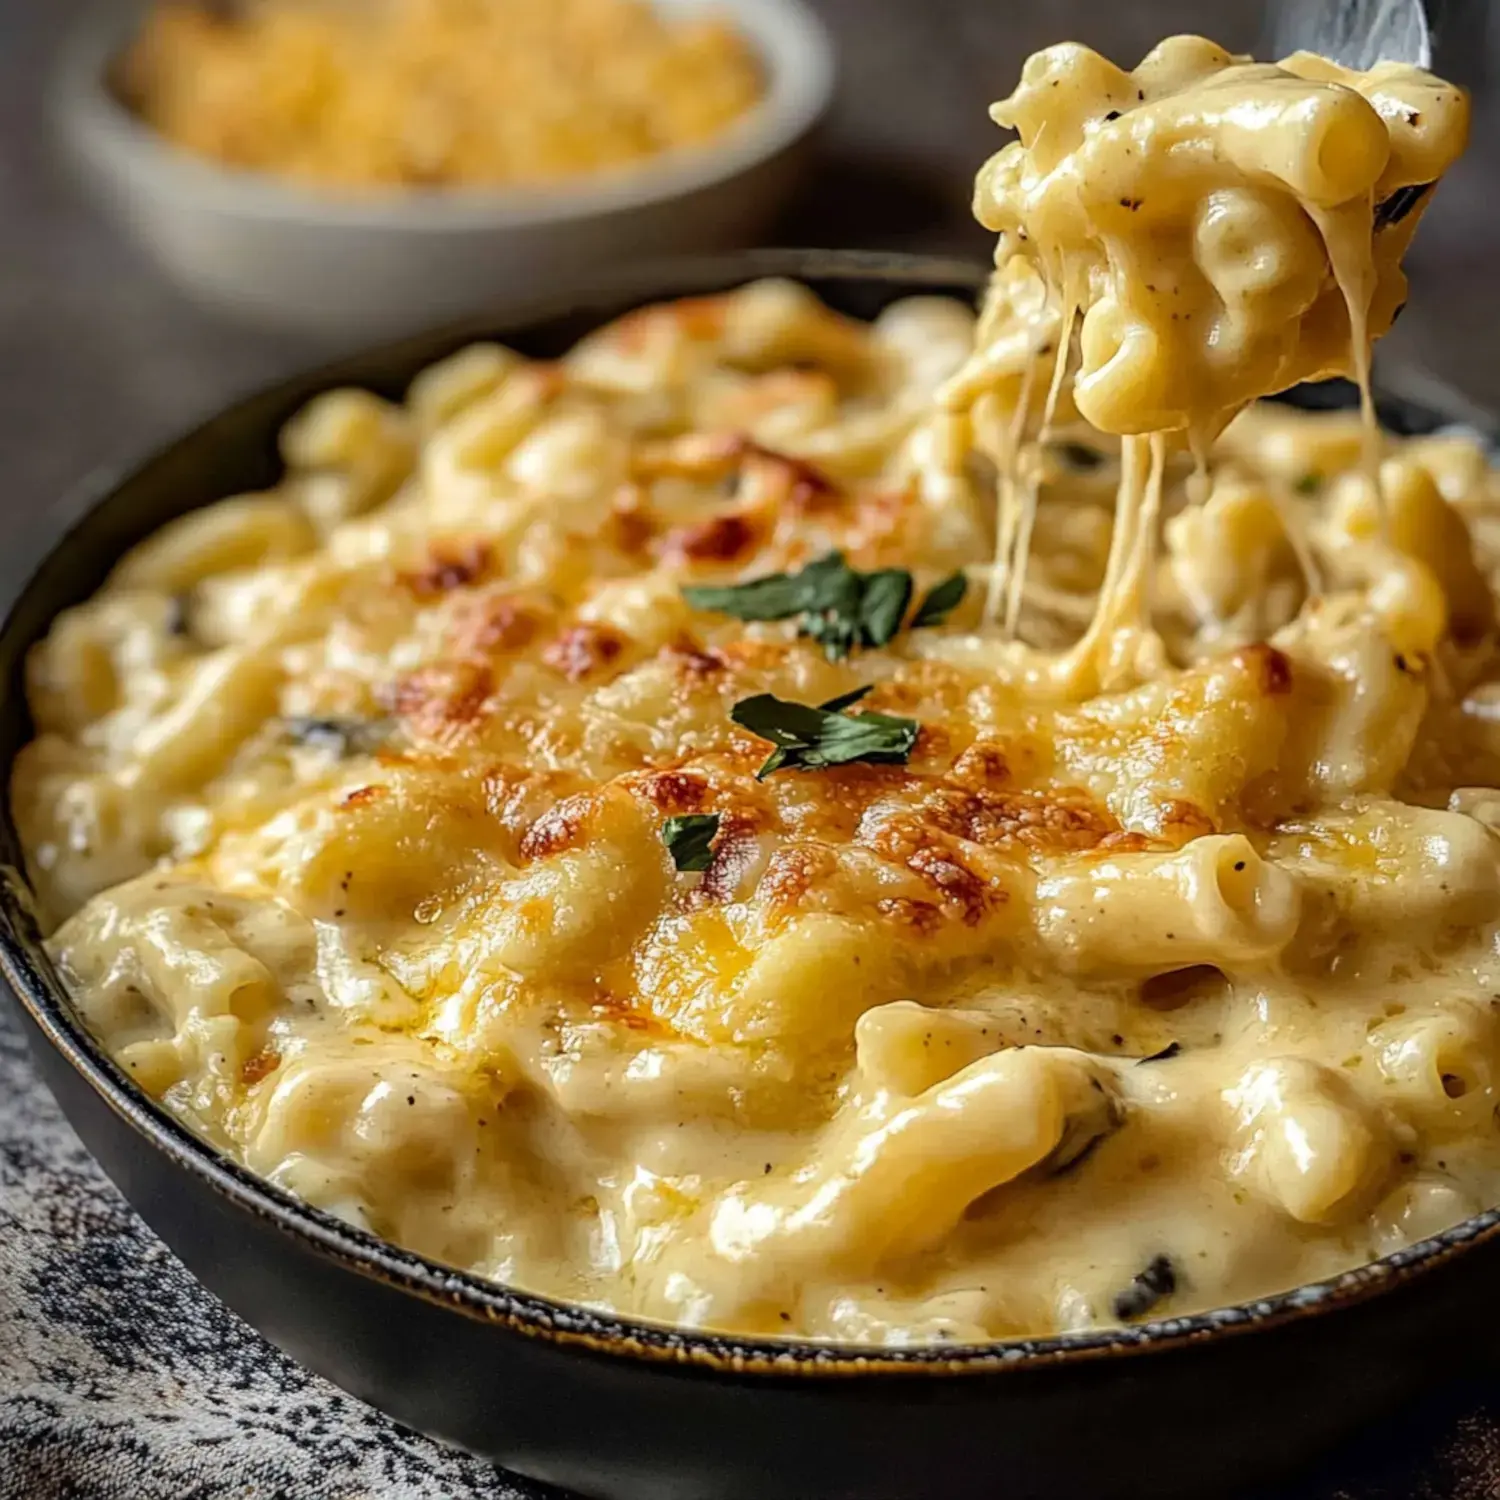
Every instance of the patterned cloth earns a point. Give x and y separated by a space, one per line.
122 1379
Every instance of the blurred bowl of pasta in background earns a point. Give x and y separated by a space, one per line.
371 256
1171 1405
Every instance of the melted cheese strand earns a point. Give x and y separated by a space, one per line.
1007 461
1016 578
1347 233
1082 669
1185 326
1296 535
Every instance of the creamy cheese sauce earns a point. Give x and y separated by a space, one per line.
1135 954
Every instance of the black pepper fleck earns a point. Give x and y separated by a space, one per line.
177 619
1170 1050
1158 1280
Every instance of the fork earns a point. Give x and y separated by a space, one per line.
1356 33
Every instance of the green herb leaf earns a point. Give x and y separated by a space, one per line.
882 607
774 598
773 762
812 739
844 700
1309 483
940 601
688 838
832 614
840 607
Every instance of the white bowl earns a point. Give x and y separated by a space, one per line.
250 244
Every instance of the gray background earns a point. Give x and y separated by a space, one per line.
100 360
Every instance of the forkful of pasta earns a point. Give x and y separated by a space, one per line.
1176 242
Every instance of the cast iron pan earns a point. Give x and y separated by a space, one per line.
1185 1406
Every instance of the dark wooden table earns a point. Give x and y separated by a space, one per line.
100 359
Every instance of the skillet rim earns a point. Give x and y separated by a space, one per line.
37 989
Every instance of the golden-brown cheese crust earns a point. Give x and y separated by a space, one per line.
352 812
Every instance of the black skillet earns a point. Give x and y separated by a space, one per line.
1186 1406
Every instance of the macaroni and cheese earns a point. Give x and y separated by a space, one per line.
427 93
588 824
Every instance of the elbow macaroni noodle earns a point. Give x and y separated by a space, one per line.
1169 946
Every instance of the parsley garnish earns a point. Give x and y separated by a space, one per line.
846 700
940 601
1309 483
882 605
778 596
688 838
812 739
839 607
